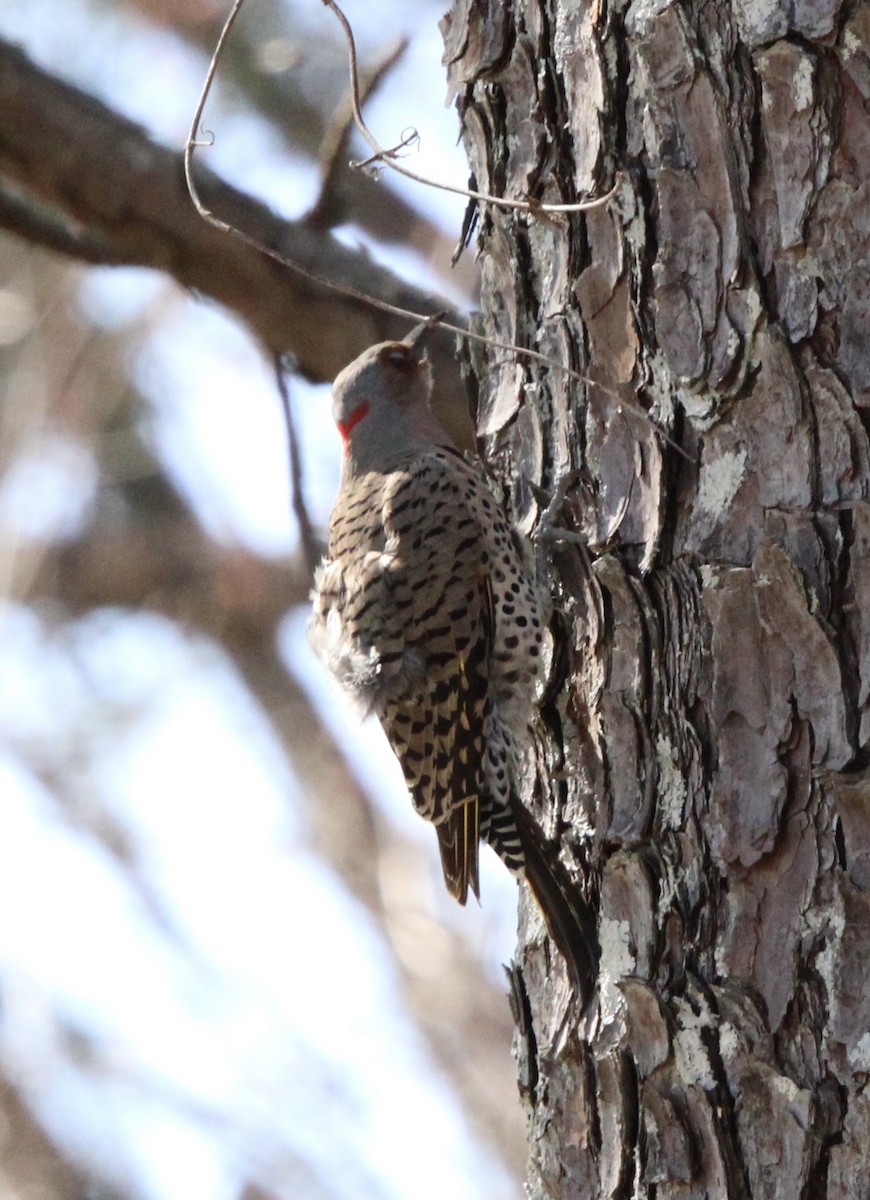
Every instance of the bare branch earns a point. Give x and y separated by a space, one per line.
311 545
23 215
92 170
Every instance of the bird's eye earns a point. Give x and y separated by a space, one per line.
398 356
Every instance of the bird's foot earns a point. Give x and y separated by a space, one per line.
549 531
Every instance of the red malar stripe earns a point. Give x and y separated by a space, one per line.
345 428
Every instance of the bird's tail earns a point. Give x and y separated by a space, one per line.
568 917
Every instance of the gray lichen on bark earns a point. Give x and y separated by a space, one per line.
707 762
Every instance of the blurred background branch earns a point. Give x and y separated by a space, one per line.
95 186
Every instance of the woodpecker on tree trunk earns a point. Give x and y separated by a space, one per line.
423 610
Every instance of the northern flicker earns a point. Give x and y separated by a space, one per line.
423 610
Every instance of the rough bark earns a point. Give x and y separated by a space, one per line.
705 757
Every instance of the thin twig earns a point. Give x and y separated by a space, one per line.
208 137
310 545
388 157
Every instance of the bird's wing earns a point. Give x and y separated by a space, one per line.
353 626
441 601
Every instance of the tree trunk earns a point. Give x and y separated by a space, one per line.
703 753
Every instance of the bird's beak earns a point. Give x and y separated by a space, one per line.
417 333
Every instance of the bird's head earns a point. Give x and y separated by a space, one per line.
380 403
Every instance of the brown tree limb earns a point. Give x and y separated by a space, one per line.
25 216
101 173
